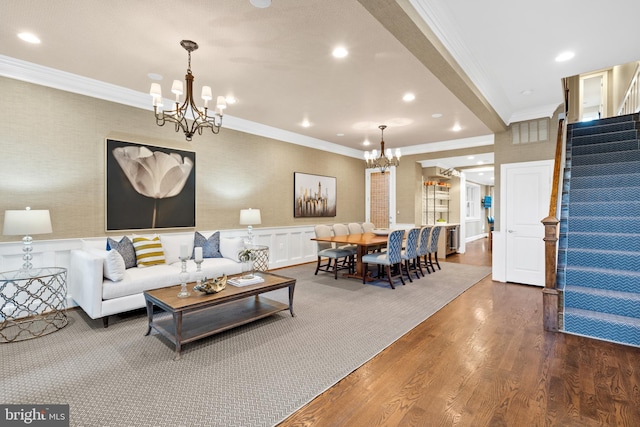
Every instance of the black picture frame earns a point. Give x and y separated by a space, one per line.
314 195
127 208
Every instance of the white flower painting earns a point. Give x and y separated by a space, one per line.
149 187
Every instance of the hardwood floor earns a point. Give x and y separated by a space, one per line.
485 360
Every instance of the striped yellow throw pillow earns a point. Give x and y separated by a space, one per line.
148 251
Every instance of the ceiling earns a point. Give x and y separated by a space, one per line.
480 65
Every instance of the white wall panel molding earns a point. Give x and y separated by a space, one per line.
287 246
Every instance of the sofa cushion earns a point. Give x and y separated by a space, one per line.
124 248
139 279
216 267
113 267
231 246
171 244
148 251
210 246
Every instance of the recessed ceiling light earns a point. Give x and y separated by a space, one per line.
340 52
526 92
408 97
231 99
339 134
436 115
29 38
155 76
456 128
366 142
565 56
305 123
260 3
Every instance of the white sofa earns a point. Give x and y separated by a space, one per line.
101 286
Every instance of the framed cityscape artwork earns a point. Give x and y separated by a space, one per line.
149 187
314 195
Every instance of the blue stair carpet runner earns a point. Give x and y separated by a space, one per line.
599 245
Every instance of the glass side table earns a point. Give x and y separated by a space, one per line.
32 303
261 261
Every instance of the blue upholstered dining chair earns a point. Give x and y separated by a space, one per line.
391 257
408 255
330 254
433 250
423 248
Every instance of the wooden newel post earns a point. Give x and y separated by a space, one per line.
550 295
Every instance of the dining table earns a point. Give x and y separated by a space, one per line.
364 242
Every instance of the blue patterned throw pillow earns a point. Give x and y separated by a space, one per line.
210 247
124 248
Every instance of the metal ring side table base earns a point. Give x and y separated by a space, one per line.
32 303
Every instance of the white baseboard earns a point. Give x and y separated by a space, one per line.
476 237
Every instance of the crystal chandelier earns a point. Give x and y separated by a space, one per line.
386 158
199 118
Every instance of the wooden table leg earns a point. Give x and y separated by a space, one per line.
362 251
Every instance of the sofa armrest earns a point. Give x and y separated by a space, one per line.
85 281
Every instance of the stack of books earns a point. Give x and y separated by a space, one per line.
241 281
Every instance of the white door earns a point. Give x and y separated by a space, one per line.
391 201
526 203
593 96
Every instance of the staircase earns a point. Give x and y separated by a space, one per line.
599 244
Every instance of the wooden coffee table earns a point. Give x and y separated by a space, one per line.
201 315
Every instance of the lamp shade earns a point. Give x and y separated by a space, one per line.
250 216
26 222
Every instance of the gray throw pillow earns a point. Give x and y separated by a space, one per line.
210 247
124 248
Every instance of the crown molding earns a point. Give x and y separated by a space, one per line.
453 144
62 80
443 25
260 129
533 113
68 82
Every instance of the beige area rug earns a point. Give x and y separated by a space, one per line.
254 375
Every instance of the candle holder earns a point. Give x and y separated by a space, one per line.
198 272
184 276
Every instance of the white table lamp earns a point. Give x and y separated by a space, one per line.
250 217
25 223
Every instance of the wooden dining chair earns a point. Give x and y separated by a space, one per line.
408 255
390 258
330 254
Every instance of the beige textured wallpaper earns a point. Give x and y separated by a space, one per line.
53 157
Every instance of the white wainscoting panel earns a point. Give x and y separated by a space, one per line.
287 246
